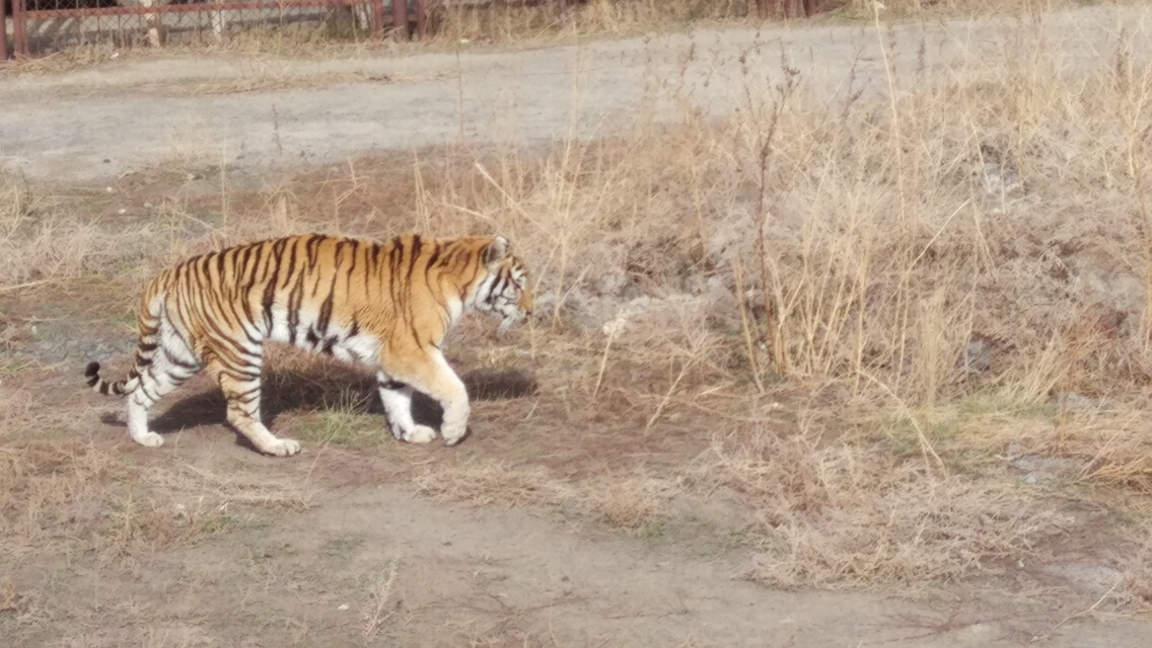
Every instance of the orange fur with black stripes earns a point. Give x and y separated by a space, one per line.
384 305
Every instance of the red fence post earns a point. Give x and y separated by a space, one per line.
400 19
421 19
19 34
3 33
377 18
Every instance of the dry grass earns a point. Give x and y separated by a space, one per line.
638 504
854 514
380 591
514 22
64 495
527 22
935 272
951 257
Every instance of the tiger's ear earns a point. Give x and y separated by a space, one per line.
496 250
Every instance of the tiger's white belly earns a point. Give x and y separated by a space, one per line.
336 340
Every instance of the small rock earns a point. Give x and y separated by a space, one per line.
997 180
1092 579
977 356
1037 468
1071 400
615 283
342 607
977 631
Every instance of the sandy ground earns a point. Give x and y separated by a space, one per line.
247 112
484 576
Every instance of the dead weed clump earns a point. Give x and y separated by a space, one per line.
1138 578
635 504
837 514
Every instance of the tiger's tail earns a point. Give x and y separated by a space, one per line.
146 346
101 386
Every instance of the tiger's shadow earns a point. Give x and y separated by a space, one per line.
344 389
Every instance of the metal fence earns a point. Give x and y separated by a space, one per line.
39 26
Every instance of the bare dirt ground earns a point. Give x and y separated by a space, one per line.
564 520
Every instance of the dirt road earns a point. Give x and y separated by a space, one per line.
250 112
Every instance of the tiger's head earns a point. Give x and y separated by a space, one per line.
504 290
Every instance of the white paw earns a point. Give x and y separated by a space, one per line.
150 440
452 435
420 434
283 448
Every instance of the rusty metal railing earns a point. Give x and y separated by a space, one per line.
3 32
156 17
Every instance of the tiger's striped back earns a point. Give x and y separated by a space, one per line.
383 304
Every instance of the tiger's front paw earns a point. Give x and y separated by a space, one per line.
283 448
149 440
452 436
419 434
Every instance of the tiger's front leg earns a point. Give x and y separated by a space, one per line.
397 399
432 375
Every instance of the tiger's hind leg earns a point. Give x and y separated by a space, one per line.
397 399
430 373
163 363
241 387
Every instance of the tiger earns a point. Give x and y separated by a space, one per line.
385 305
